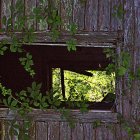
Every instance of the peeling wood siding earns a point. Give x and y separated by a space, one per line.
83 38
50 115
5 9
136 99
78 12
53 127
91 15
41 130
65 131
104 15
29 5
129 45
88 131
115 23
48 125
66 12
53 130
118 89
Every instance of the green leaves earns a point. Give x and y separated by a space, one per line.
10 102
119 11
96 124
121 71
27 62
5 91
66 114
71 45
73 28
137 136
124 64
3 49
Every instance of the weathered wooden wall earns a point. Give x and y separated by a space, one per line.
96 15
48 125
92 15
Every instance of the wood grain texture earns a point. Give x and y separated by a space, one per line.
116 23
88 131
65 131
29 6
129 31
118 132
99 132
51 115
53 130
66 14
91 15
83 38
136 100
77 132
112 131
5 6
78 14
104 131
41 131
2 129
119 80
103 15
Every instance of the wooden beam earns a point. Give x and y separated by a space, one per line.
82 38
51 115
62 83
81 72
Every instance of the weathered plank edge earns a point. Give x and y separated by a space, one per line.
51 115
80 37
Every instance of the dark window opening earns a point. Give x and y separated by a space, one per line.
47 58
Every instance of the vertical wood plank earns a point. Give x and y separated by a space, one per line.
53 131
99 134
66 13
77 132
88 131
18 14
118 89
91 15
32 130
129 24
6 135
118 132
5 9
104 15
78 14
29 6
111 132
65 131
104 133
42 24
1 129
41 131
136 99
136 62
129 31
116 23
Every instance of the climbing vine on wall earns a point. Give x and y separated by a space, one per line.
30 98
23 102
